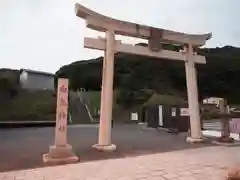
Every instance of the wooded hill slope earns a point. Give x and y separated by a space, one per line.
138 77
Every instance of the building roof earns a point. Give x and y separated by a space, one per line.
36 72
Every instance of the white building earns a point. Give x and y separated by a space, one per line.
212 100
36 80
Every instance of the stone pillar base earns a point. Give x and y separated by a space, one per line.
60 155
194 140
227 139
107 148
224 143
234 174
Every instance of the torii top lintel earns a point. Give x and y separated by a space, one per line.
102 23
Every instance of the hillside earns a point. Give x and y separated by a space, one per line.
137 77
17 104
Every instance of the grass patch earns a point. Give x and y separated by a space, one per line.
93 100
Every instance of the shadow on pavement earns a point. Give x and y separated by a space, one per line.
23 148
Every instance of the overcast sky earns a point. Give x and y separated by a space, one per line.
46 34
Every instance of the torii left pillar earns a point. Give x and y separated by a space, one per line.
105 125
61 152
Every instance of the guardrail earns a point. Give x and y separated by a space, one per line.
79 94
20 124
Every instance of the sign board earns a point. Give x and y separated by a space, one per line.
154 39
134 116
160 114
62 112
184 112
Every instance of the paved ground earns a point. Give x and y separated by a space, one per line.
23 148
209 163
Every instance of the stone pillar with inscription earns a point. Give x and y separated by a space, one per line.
61 152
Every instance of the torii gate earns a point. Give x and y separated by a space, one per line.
155 37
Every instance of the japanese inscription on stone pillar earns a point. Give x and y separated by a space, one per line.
62 112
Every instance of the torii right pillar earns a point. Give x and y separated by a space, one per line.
192 91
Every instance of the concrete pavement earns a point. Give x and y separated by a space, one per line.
23 148
208 163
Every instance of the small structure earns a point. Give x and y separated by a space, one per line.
61 151
213 101
36 80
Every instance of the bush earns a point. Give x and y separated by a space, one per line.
37 105
164 99
128 98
